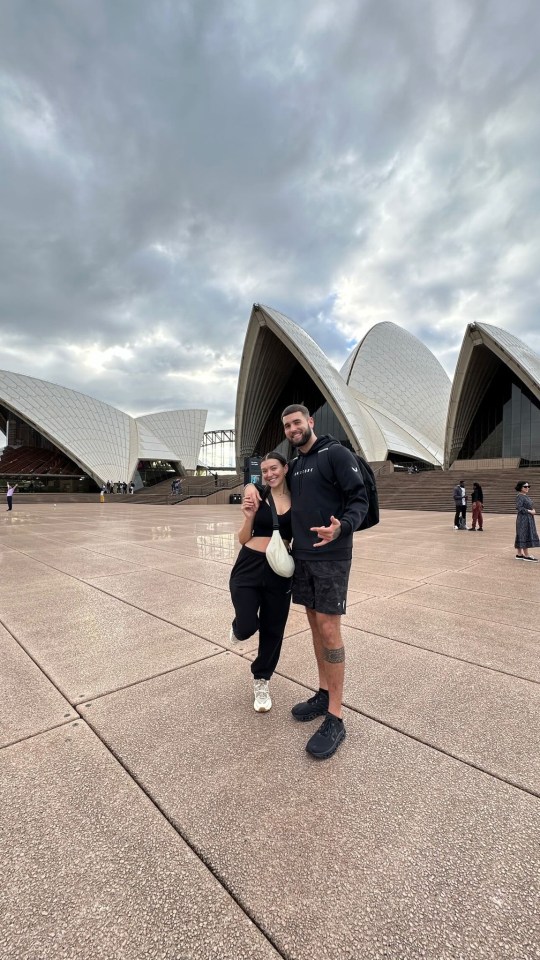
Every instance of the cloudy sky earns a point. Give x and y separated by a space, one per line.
166 163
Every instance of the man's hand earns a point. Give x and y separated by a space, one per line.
252 496
327 534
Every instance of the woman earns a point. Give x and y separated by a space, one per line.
477 500
526 535
260 597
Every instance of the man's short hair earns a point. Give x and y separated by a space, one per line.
295 408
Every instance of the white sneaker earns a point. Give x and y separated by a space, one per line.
262 702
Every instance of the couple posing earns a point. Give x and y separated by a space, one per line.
320 499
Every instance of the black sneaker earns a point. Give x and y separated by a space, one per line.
310 709
327 739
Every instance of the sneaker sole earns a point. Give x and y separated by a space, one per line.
330 752
262 709
306 717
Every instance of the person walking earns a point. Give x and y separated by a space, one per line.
460 502
260 597
477 500
10 490
328 503
526 535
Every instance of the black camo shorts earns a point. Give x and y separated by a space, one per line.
321 585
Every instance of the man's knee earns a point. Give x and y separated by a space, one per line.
330 629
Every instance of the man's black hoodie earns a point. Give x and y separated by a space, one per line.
323 485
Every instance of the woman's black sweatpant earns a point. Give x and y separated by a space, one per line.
261 602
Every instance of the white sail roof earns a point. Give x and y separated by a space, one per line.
105 442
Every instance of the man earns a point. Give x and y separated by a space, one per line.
460 502
329 501
9 494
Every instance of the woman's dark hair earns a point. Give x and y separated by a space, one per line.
274 455
520 484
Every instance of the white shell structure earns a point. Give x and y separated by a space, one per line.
390 396
473 372
404 387
105 442
176 433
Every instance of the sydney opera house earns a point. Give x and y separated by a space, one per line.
73 442
392 401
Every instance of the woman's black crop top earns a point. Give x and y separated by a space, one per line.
262 523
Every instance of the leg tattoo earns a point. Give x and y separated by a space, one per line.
334 656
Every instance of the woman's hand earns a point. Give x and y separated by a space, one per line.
249 509
532 511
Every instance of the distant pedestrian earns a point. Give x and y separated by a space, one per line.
526 535
9 494
131 488
477 500
215 479
460 503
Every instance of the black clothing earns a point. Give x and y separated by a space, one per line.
322 586
9 503
261 602
526 535
319 490
477 495
461 511
263 526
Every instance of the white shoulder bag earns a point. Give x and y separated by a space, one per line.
277 554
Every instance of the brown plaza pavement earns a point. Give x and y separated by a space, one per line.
148 812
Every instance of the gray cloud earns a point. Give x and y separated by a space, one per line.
167 164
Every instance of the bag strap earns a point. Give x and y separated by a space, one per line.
271 504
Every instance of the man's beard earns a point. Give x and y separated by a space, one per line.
305 438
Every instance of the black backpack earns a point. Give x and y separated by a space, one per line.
371 518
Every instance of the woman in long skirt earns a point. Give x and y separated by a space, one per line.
526 535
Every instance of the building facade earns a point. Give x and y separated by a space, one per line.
71 433
392 399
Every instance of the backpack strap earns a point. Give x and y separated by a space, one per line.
332 478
